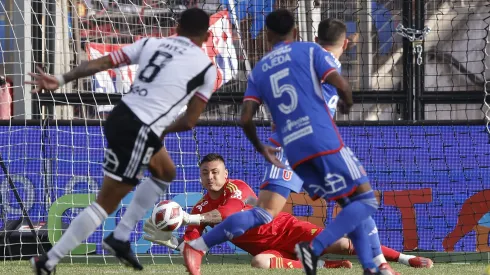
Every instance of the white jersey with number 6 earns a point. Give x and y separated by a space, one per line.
170 72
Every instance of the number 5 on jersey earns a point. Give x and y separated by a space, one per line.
278 90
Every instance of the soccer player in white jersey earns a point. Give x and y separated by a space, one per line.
172 72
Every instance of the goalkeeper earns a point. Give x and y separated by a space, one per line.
272 244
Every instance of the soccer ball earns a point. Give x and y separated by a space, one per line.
167 215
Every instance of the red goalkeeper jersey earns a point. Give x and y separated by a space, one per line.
281 234
234 198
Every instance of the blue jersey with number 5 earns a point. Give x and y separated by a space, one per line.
287 177
288 80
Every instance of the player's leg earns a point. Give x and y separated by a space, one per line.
358 175
344 246
122 133
331 177
347 183
274 259
302 231
108 199
147 193
128 162
392 255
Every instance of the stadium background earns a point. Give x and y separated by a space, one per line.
419 123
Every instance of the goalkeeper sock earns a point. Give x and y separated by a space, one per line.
404 259
234 226
144 198
79 230
279 262
391 255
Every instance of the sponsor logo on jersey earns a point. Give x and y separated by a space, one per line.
233 190
295 124
201 205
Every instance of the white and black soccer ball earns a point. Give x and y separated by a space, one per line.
167 215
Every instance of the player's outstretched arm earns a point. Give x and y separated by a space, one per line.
154 235
249 108
43 81
212 217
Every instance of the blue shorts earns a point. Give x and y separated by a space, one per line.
282 177
332 176
278 189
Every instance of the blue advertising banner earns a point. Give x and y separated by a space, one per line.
433 182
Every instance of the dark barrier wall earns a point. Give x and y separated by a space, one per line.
426 177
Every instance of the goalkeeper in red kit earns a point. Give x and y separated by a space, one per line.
271 244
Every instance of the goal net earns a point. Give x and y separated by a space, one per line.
431 177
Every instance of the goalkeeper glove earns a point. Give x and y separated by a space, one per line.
189 219
155 235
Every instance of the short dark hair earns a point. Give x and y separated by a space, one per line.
212 157
194 22
280 21
330 31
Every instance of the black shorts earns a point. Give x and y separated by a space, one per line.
130 145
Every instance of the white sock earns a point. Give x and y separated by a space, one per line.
380 259
320 264
79 230
199 244
144 198
403 259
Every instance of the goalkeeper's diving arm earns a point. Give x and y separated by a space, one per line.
167 239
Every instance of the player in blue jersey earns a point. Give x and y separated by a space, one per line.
330 38
297 70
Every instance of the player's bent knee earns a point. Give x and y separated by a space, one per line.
262 261
344 246
162 167
271 202
262 216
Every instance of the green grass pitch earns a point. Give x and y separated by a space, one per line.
23 268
